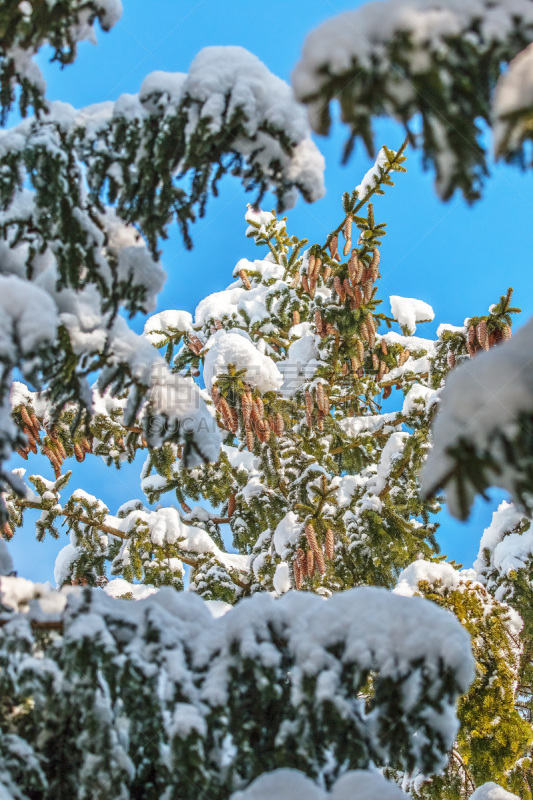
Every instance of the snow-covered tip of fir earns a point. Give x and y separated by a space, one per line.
512 104
231 348
290 784
373 175
408 311
480 403
502 547
492 791
160 327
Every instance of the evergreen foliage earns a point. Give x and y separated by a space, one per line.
318 483
304 447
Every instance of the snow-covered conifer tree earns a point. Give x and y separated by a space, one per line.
178 693
324 414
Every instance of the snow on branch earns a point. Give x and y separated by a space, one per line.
227 114
482 432
429 60
27 26
298 658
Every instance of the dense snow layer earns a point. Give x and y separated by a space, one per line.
495 543
361 35
430 572
301 361
408 311
230 348
481 396
491 791
289 784
165 323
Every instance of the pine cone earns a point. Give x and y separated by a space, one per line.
243 275
344 370
250 440
481 334
337 285
364 332
506 333
333 247
327 273
309 401
297 574
231 505
330 544
246 406
258 409
302 561
320 396
374 266
305 283
233 420
451 360
347 288
7 531
384 347
295 317
387 392
375 362
215 396
78 452
404 355
278 425
348 227
310 563
310 536
31 440
25 417
360 351
321 564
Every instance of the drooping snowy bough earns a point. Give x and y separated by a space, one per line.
172 701
434 61
70 262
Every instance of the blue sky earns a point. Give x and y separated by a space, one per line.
458 259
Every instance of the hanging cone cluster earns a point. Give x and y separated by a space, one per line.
478 337
52 447
254 420
307 562
195 344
